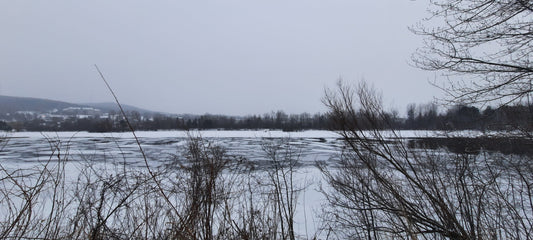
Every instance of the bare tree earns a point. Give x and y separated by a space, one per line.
488 42
283 187
382 189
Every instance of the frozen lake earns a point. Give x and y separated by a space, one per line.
22 149
25 150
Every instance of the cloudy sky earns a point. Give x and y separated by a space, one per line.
211 56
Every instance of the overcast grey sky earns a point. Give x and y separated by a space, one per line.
211 56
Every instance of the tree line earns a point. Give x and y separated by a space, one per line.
463 117
273 120
418 117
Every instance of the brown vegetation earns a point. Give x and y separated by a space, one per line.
381 190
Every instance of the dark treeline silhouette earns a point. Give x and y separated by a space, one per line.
419 117
462 117
274 120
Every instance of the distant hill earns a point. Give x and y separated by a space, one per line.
10 104
109 106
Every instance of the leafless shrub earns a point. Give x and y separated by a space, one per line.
203 186
269 198
22 194
384 190
216 195
207 194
